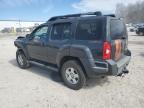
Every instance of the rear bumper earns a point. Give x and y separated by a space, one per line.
116 68
109 67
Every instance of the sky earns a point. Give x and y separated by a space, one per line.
42 10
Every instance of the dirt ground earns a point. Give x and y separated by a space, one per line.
38 87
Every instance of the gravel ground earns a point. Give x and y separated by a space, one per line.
38 87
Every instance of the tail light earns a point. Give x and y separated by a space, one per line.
106 51
118 48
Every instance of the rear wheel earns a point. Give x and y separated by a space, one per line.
22 60
73 75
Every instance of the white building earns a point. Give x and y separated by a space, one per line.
17 24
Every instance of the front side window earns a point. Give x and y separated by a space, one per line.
89 30
41 33
61 31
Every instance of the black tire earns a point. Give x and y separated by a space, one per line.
25 63
81 79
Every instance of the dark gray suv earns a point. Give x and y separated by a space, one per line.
79 46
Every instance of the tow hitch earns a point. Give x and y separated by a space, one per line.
125 71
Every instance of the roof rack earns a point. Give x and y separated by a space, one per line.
98 13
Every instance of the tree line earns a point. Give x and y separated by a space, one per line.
132 13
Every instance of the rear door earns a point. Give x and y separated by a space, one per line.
60 40
119 37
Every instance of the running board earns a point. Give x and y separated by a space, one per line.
49 67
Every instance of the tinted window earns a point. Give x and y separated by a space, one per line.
118 29
66 31
61 31
89 30
40 33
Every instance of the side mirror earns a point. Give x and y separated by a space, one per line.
27 35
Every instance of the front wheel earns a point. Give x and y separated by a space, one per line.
73 75
22 60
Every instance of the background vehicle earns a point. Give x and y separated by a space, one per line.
140 30
80 46
131 27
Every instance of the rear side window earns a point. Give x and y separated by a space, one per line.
89 30
117 29
61 31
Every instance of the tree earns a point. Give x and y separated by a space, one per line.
132 13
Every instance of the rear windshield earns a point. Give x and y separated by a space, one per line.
89 30
118 29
